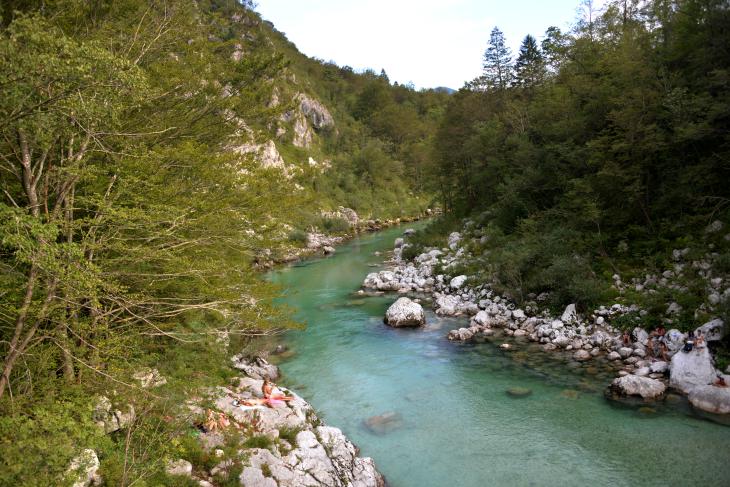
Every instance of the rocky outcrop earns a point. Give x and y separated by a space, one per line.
316 455
316 112
266 154
149 378
256 367
633 385
110 419
691 369
405 313
82 472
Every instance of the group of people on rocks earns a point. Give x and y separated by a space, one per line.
272 397
656 345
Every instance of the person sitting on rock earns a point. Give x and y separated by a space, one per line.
663 350
690 342
660 331
626 338
720 381
700 340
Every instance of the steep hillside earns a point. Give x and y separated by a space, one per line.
153 156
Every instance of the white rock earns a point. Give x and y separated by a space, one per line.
633 385
255 367
710 398
457 282
582 355
150 378
659 367
640 335
518 314
179 467
691 369
613 356
642 371
398 242
83 469
713 330
454 239
405 313
625 352
569 315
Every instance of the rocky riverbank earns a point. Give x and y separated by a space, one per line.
320 243
282 446
590 338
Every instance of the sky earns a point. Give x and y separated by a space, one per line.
427 42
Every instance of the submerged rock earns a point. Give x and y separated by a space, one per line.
518 392
405 313
384 423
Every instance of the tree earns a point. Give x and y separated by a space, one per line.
497 65
530 64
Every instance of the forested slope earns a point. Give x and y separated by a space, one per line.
586 159
151 153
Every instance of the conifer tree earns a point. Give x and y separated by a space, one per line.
530 64
497 72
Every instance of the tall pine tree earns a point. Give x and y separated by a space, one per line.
497 72
530 64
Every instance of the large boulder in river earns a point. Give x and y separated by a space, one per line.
691 369
405 312
634 385
712 399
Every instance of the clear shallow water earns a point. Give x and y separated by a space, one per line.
458 424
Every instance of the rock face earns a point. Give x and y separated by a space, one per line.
256 367
691 369
405 313
110 419
150 378
633 385
83 469
317 113
711 399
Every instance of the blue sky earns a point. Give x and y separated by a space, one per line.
428 42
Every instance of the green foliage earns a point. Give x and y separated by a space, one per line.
259 441
39 440
290 434
602 165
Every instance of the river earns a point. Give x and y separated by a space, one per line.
457 423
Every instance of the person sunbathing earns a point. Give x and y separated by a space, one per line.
271 398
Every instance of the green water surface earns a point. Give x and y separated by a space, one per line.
458 426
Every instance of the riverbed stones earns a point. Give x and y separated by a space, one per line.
405 313
613 356
659 367
633 385
625 352
582 355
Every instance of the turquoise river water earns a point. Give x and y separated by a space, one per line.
457 425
